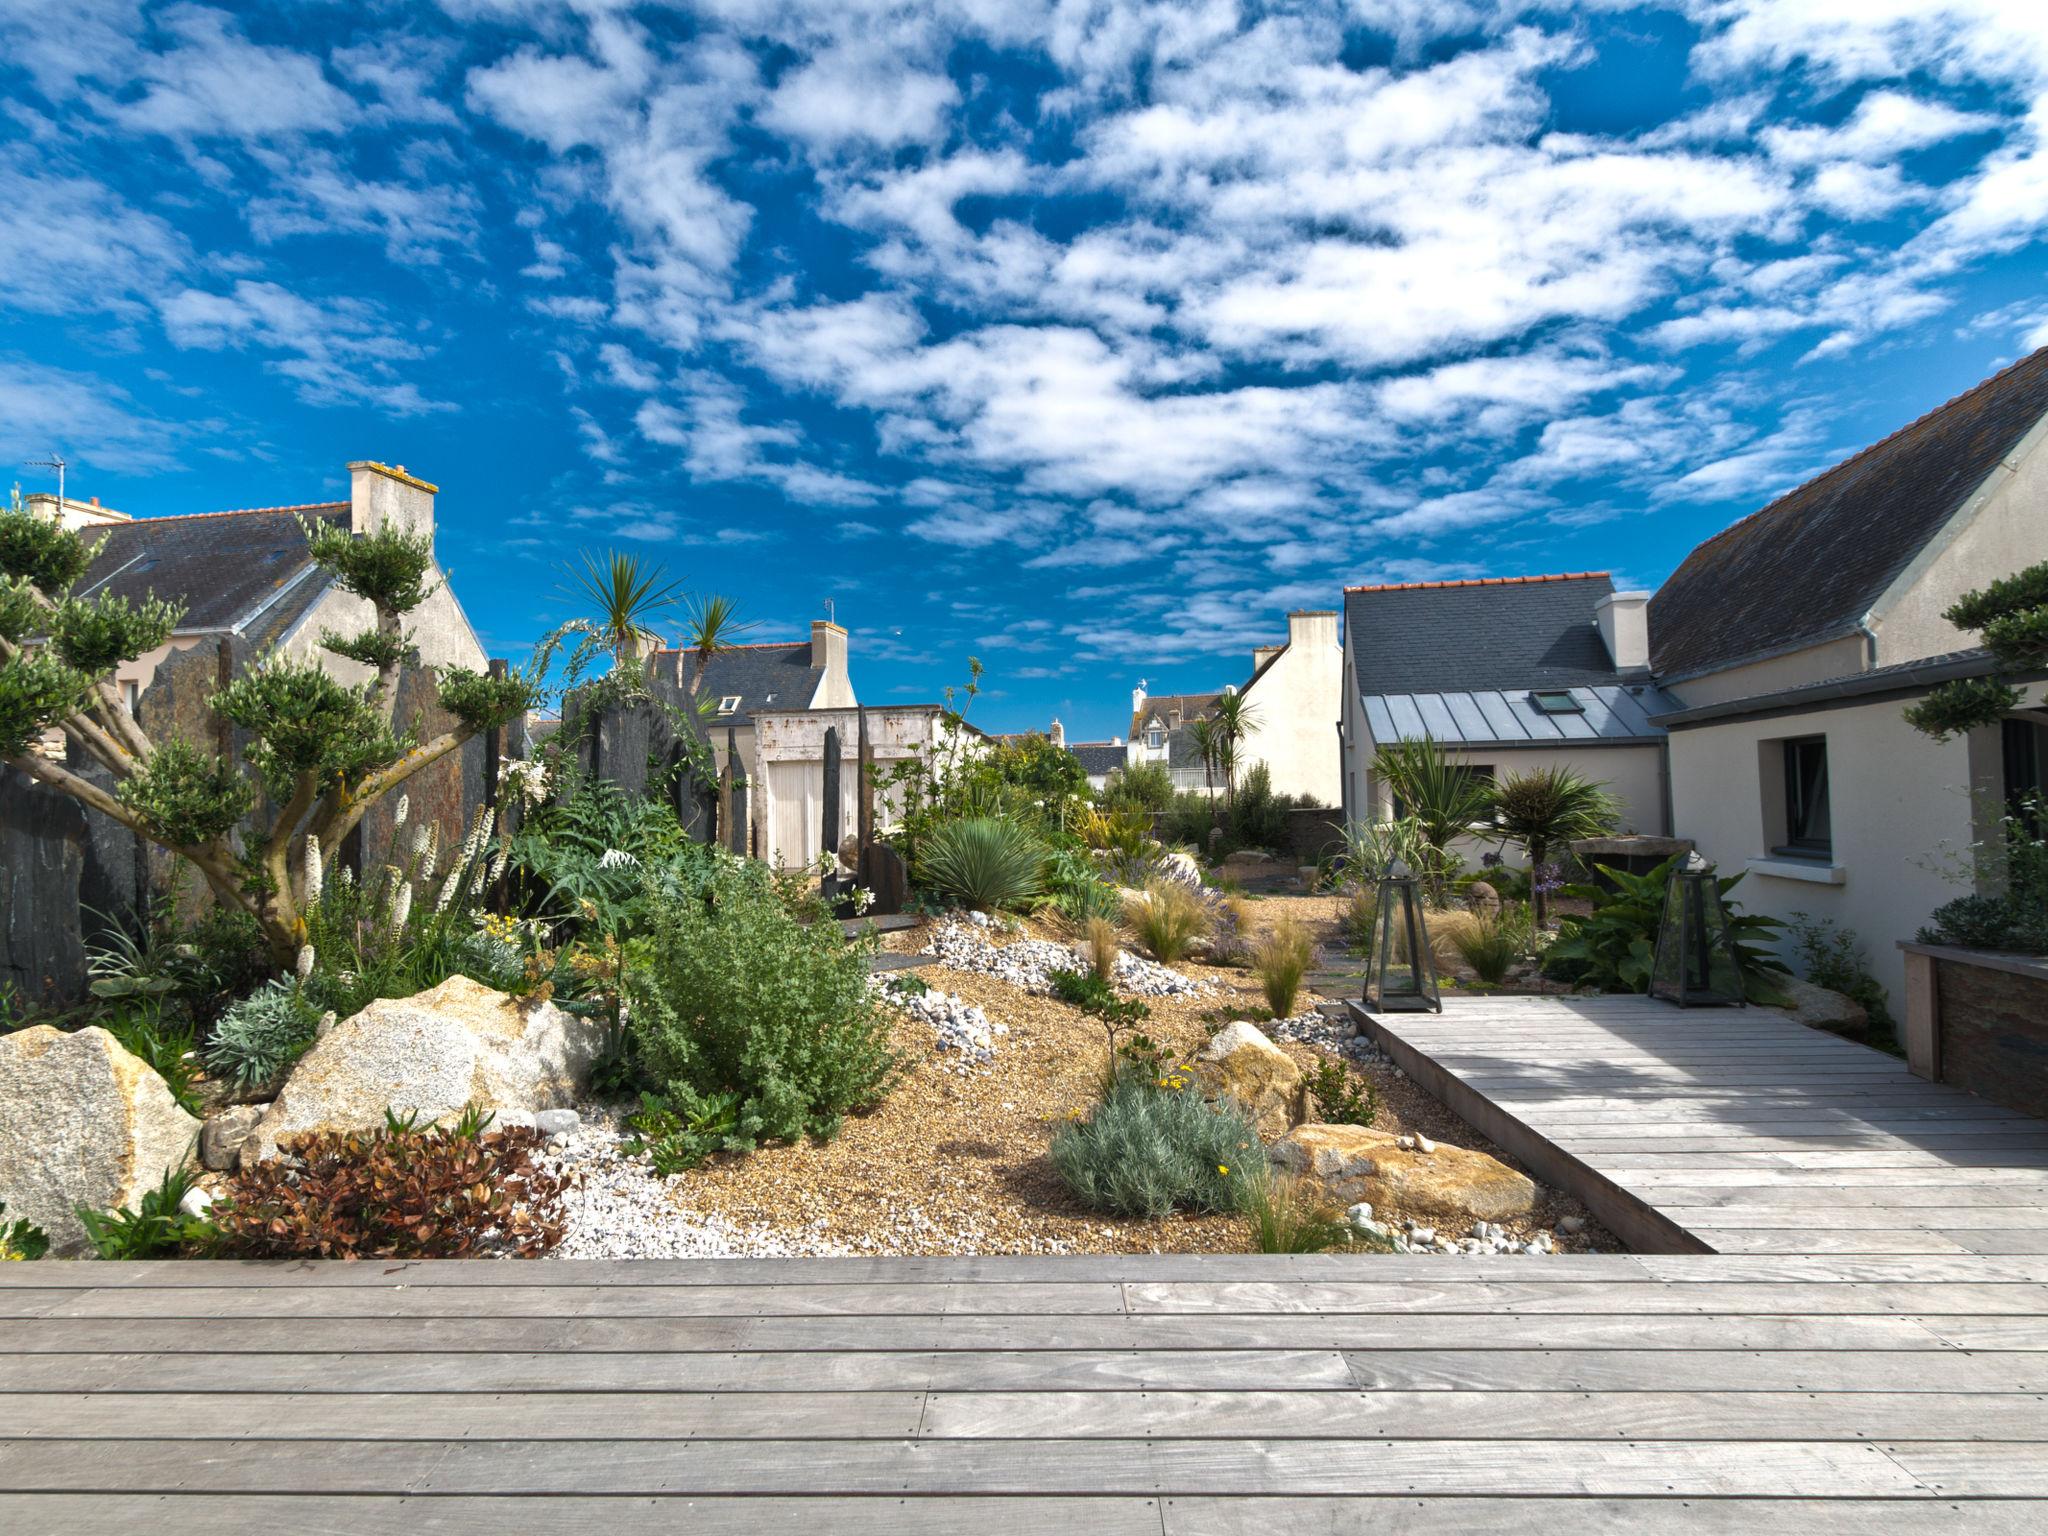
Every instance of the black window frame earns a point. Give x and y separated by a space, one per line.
1803 797
1570 706
2024 748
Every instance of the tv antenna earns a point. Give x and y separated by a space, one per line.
831 615
54 461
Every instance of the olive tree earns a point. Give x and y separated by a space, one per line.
322 751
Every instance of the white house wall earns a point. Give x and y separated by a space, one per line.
1298 700
1898 802
1791 669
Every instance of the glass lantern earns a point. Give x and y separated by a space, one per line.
1402 974
1696 964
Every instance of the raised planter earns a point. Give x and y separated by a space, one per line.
1978 1019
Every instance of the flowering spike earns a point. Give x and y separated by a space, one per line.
305 965
402 909
404 810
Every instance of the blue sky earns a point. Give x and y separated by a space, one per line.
1087 337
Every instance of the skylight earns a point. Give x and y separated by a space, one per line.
1556 701
729 705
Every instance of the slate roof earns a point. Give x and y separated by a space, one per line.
774 675
1610 713
1507 633
1098 757
245 570
1192 706
1807 567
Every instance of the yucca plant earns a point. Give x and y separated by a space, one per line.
1169 920
1282 957
991 864
1443 796
626 596
1545 808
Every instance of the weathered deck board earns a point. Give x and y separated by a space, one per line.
1732 1130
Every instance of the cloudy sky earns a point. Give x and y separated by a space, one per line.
1085 337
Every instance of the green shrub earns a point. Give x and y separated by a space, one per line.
21 1239
1494 941
678 1135
1341 1097
1282 956
1973 922
259 1038
1147 1151
1148 786
1613 946
1832 957
156 1229
1169 920
730 994
1291 1215
988 862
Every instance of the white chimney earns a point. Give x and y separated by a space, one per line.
1138 699
72 514
1058 734
828 651
381 496
1261 654
1624 620
1311 627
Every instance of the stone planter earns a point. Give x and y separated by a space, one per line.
1978 1019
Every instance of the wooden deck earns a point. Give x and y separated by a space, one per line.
1732 1130
1789 1387
1069 1397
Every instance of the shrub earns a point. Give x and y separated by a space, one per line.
1148 786
395 1193
1972 922
259 1038
1546 809
730 994
1169 919
1341 1097
1088 992
1147 1151
1613 946
1833 958
1291 1215
989 862
157 1228
678 1136
1493 941
1282 955
1450 929
1230 927
21 1239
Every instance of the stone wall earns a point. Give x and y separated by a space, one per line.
1994 1033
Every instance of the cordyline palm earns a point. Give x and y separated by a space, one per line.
1234 720
1204 734
1445 796
1546 807
626 596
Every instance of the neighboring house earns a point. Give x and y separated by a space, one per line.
787 768
1098 759
1508 673
1293 698
245 574
743 683
1793 639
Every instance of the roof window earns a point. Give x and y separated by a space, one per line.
1556 701
729 705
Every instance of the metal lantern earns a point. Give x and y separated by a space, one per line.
1696 964
1402 978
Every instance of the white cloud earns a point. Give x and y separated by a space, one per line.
79 247
337 351
94 424
214 81
865 95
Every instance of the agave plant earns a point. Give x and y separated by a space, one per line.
990 863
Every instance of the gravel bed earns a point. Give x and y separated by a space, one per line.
961 1030
1313 1028
1029 963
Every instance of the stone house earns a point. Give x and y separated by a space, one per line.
1508 674
1792 640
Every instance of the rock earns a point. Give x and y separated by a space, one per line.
1570 1224
86 1124
221 1138
1481 897
1424 1145
1248 858
1180 868
1354 1163
433 1054
556 1122
197 1201
1818 1008
1241 1064
1359 1215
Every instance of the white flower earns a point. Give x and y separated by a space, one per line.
305 965
614 857
498 865
345 877
313 870
404 810
448 889
402 908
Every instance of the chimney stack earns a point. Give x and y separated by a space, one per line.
380 496
828 651
1624 620
1138 699
1261 654
1309 627
1058 734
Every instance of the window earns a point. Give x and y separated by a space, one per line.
2026 764
1807 826
729 705
1155 739
1556 701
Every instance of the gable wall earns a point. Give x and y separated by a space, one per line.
1298 700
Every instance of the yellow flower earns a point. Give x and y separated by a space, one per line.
1223 1170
